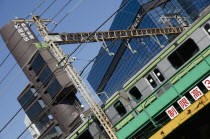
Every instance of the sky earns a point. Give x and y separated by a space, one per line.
85 16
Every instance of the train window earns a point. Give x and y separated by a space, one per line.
181 55
135 93
120 108
159 75
151 81
207 28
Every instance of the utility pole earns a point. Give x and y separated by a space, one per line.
74 76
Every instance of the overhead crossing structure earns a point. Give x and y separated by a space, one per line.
72 38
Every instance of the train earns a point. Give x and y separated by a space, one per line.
142 108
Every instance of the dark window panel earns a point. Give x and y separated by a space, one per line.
54 88
34 110
45 76
207 28
135 93
27 98
120 108
175 60
37 64
151 81
181 55
159 75
187 50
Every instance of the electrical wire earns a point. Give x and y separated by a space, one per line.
68 13
15 32
21 67
22 38
49 76
47 106
23 53
59 11
10 121
24 20
110 43
109 46
85 40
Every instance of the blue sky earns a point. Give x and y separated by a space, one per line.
86 17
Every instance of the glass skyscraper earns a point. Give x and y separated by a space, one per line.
109 73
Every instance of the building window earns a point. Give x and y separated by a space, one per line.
151 81
27 98
120 108
37 64
181 55
159 75
45 76
135 93
54 88
43 123
34 111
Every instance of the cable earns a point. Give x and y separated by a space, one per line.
24 52
24 20
45 109
68 13
101 52
60 11
22 38
85 40
27 101
112 41
31 44
59 23
39 116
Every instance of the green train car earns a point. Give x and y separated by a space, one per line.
162 93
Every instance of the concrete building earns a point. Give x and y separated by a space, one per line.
49 100
32 129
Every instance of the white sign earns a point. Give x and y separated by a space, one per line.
23 30
172 112
206 82
196 93
183 103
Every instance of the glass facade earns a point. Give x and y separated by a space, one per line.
27 98
54 88
37 64
34 110
146 47
45 76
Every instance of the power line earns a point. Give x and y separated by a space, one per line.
60 11
28 99
68 13
24 20
49 76
85 40
16 30
124 63
24 52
